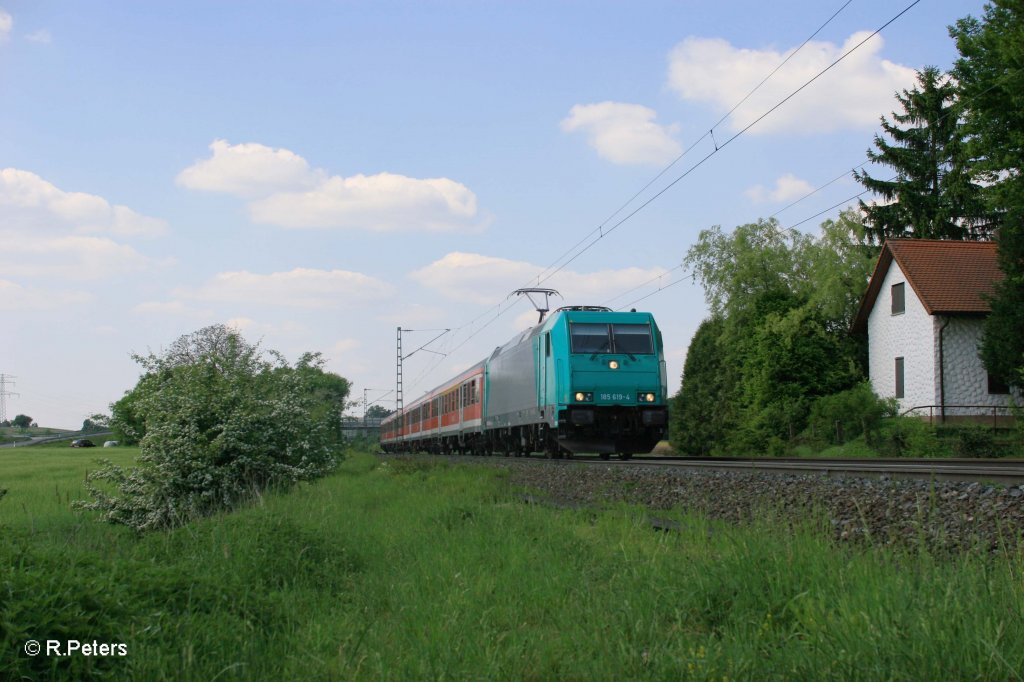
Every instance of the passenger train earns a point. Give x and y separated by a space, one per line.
585 380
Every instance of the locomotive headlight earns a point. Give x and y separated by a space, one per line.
613 364
645 397
582 397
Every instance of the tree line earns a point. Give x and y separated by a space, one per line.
776 359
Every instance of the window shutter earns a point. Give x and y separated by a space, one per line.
899 378
899 301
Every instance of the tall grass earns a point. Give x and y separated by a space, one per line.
405 570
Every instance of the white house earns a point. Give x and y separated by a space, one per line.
924 313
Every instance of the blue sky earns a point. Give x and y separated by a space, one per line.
318 173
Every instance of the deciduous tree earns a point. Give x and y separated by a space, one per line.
782 302
701 414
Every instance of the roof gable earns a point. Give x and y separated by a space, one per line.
949 277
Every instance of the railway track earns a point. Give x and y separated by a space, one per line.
1001 471
1004 471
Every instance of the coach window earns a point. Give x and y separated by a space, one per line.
632 338
588 337
899 301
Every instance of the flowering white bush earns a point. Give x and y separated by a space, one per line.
222 424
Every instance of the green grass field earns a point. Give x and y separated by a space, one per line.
403 570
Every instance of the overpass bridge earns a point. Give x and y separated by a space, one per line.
355 427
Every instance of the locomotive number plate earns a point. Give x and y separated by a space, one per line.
621 397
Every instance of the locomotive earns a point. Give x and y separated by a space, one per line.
585 380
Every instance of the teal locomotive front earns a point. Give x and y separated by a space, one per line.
586 380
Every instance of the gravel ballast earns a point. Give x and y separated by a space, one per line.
941 516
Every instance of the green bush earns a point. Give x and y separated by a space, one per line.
908 437
221 425
975 441
841 417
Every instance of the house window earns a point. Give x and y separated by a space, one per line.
899 378
996 386
899 301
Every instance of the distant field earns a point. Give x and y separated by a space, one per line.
413 570
42 480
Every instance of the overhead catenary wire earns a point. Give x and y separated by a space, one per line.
845 173
691 276
540 278
544 275
793 226
657 291
601 231
729 141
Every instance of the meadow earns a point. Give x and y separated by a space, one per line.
400 569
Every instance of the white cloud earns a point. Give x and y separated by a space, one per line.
30 203
853 94
624 133
302 287
488 280
71 257
6 24
285 191
172 308
787 188
345 346
50 234
411 314
474 277
242 324
249 170
14 296
381 203
42 36
249 326
524 320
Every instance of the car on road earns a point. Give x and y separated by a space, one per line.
82 443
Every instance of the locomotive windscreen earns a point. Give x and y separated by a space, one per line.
589 337
632 338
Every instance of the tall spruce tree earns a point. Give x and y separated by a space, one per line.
990 72
932 195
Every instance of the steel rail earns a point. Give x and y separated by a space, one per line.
1003 471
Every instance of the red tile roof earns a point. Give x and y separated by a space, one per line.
950 277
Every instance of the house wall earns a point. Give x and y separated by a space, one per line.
966 380
911 336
